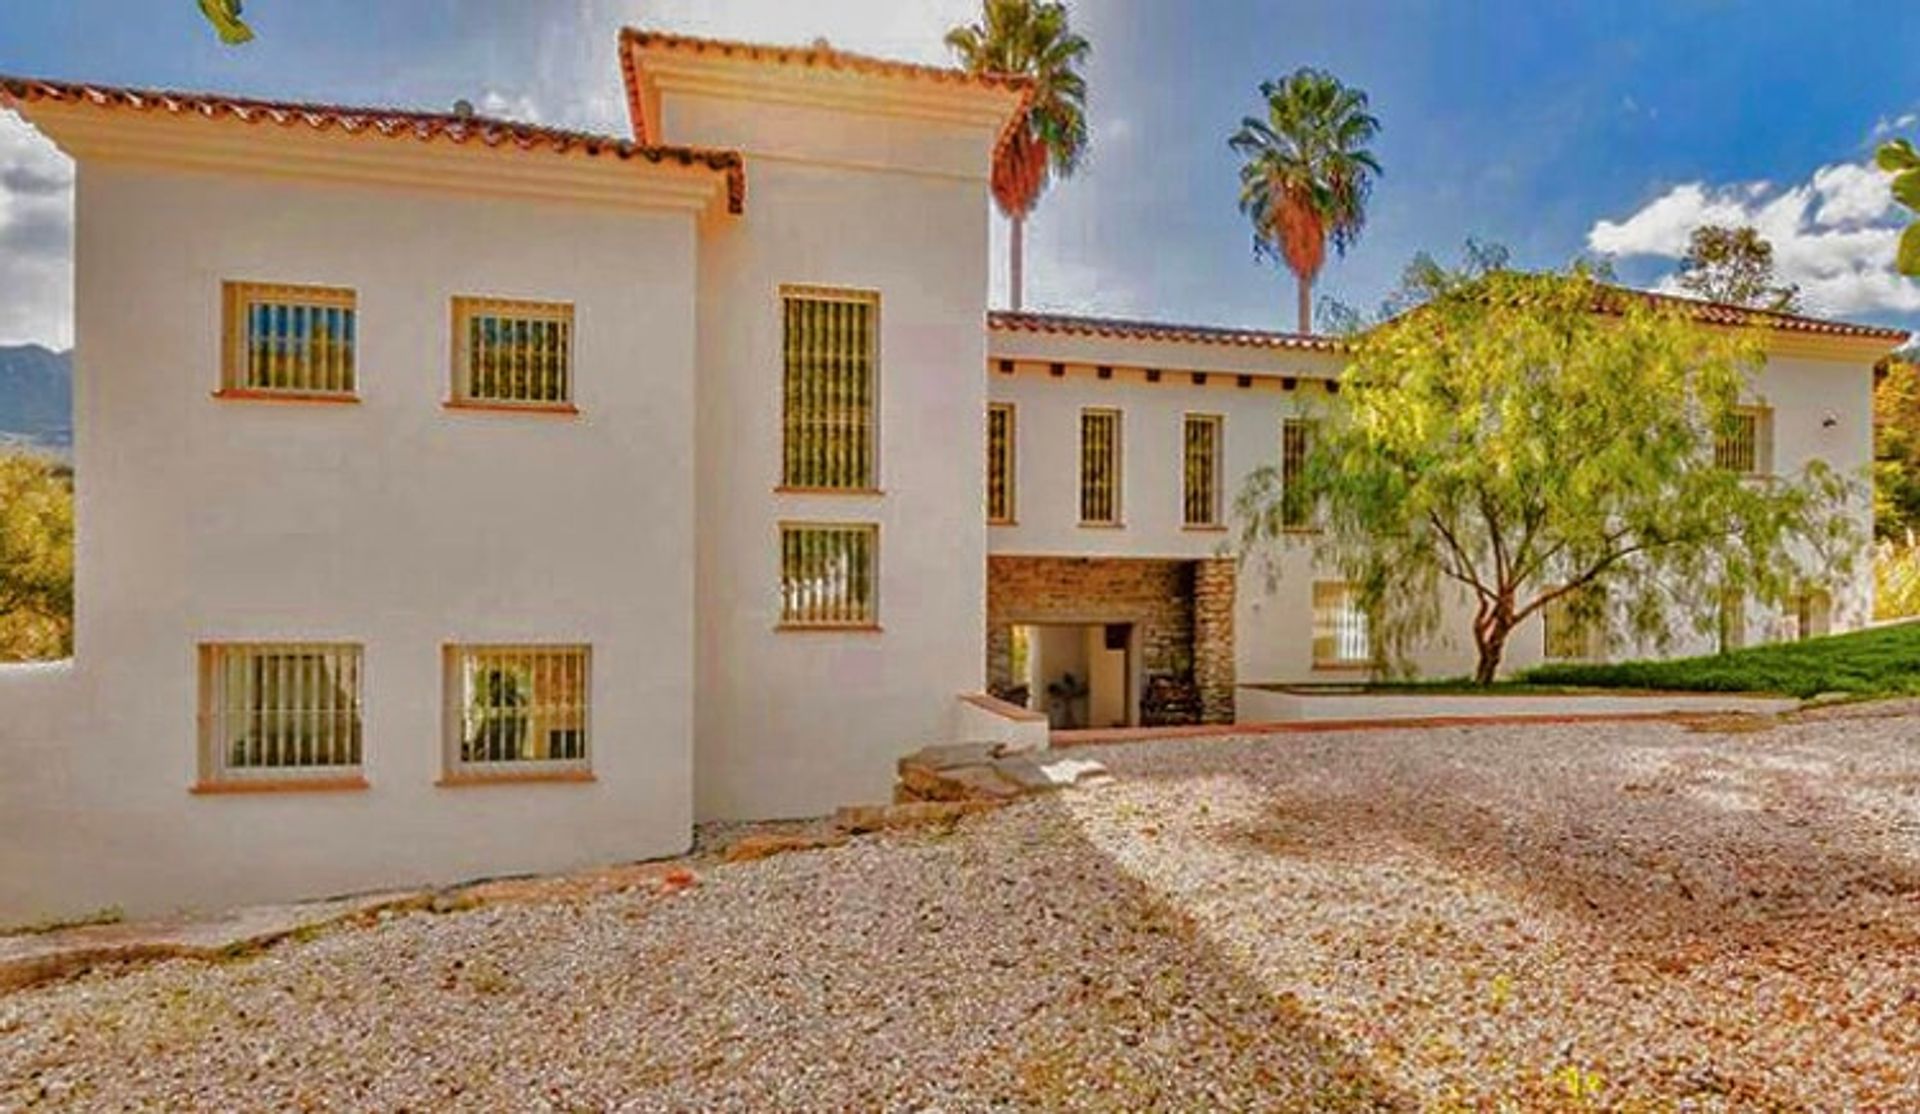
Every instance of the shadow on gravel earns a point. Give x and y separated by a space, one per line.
1708 856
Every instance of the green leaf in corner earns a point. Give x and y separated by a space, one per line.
225 17
1906 189
1897 155
1908 261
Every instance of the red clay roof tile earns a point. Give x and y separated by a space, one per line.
391 123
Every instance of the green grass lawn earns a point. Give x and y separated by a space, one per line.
1880 662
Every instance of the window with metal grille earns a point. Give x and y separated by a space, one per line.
1296 502
1744 446
1100 467
1571 630
1200 500
1733 620
1000 474
513 709
1340 627
829 575
288 340
511 353
271 711
831 343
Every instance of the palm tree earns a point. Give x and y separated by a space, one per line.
1308 173
1030 38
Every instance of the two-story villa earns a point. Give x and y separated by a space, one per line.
460 497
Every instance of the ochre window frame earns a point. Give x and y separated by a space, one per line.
1115 458
823 617
1215 462
464 308
216 704
1298 513
1005 463
239 297
1761 448
1326 626
811 469
551 715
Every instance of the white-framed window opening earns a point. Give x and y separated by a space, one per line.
515 709
279 711
513 353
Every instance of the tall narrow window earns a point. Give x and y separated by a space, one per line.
1571 629
1745 444
1296 502
513 710
829 576
1733 620
1813 614
291 341
1200 502
279 712
1100 467
509 353
1341 633
831 341
1000 463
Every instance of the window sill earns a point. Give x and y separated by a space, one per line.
351 784
1103 526
1198 528
240 394
827 628
1003 522
517 777
1342 666
791 489
546 409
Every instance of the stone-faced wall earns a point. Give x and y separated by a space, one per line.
1157 596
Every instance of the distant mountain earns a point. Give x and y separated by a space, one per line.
36 397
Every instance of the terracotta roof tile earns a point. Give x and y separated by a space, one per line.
818 55
1116 328
1721 313
391 123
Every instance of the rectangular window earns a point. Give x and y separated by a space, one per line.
1571 630
1000 463
513 710
296 341
1100 467
1813 614
1200 504
1746 445
508 353
1733 620
1296 502
1340 627
831 340
279 712
829 575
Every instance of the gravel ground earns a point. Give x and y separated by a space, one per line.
1609 916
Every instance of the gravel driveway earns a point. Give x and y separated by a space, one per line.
1616 915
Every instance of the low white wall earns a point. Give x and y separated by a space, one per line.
1257 705
978 718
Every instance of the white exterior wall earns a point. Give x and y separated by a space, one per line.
795 723
1274 610
393 523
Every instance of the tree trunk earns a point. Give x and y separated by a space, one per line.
1491 628
1487 670
1014 252
1306 304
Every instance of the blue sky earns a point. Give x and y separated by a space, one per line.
1555 128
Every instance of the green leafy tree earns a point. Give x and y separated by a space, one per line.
1308 173
1735 266
36 559
1520 439
225 17
1899 159
1896 450
1031 39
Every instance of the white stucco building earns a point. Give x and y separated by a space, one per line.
461 498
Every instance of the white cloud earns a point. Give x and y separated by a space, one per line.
1834 234
36 237
1884 127
510 106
